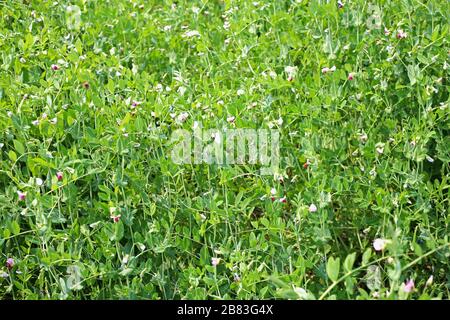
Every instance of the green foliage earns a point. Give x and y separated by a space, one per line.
125 222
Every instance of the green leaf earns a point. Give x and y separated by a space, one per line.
366 256
12 155
118 234
15 228
204 256
20 148
349 261
333 266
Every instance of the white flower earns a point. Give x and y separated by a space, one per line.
54 120
363 137
240 92
215 261
273 191
429 159
380 244
159 87
35 122
9 114
191 34
312 208
326 69
302 293
380 147
39 182
401 34
291 72
181 90
167 28
280 121
231 119
182 117
429 281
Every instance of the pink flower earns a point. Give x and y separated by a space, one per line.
115 218
21 195
350 76
312 208
273 192
401 34
215 261
231 119
283 200
409 286
380 244
55 67
326 69
306 164
59 175
9 263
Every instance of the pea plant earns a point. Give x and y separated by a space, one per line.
291 149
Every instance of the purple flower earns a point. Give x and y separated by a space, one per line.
409 286
55 67
9 263
21 195
215 261
401 34
59 175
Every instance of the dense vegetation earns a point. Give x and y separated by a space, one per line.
93 207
